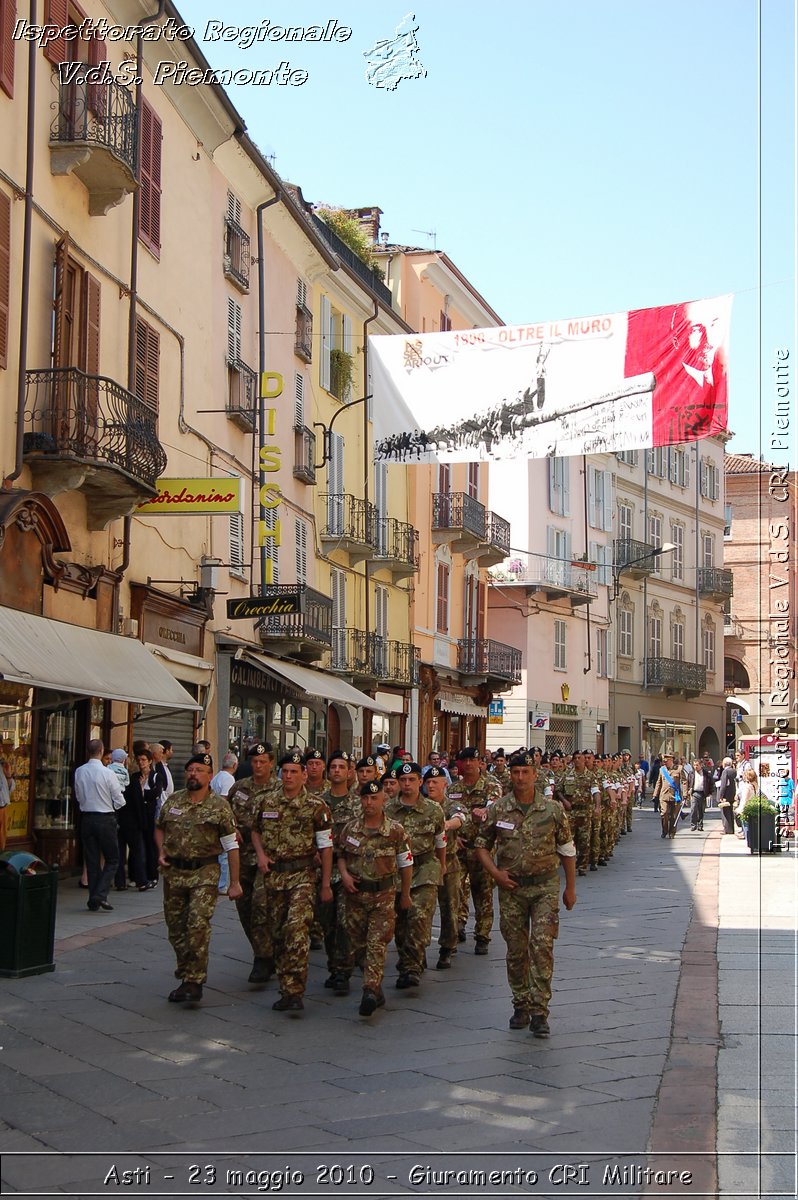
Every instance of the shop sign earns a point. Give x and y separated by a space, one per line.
539 720
269 605
270 460
496 712
565 710
193 497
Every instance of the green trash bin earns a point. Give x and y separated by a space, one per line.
28 894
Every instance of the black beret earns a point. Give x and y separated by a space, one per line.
522 760
468 752
296 757
392 774
204 760
411 768
374 788
309 754
336 754
499 753
368 761
259 748
435 773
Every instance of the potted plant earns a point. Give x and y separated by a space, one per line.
759 818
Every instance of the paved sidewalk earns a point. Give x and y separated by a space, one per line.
95 1059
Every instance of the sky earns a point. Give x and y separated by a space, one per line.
573 157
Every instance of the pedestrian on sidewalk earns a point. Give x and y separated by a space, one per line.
727 794
701 789
532 837
99 797
192 827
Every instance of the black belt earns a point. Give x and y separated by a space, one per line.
293 864
190 864
531 880
420 859
384 884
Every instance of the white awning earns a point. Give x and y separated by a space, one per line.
738 703
40 652
314 683
461 706
183 666
390 702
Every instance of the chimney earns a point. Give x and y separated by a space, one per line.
369 221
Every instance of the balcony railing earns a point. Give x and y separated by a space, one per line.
634 558
366 273
456 516
242 396
303 337
307 634
556 578
498 533
675 675
493 660
93 134
397 546
236 254
351 525
88 417
304 454
715 581
369 657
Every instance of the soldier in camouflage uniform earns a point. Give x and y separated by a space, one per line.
500 771
531 836
593 774
423 822
314 766
449 890
629 777
574 789
475 792
191 828
344 805
291 828
366 771
390 784
245 798
371 849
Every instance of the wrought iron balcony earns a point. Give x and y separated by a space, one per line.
497 541
85 431
304 454
675 675
716 582
242 396
555 579
351 525
303 338
458 519
635 559
367 658
483 658
93 136
306 635
236 254
397 547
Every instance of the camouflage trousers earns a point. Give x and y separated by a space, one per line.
449 905
581 818
414 928
529 919
596 821
331 920
608 827
473 876
281 921
369 919
247 874
189 898
630 803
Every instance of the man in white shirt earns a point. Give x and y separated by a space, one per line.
99 794
222 783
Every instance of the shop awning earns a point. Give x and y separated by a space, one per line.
314 683
390 702
461 706
183 666
40 652
738 703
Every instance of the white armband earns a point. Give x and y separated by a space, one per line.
548 792
324 839
229 842
404 859
440 841
567 851
595 790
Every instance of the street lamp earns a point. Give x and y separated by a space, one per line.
665 548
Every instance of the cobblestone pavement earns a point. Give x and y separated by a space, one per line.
94 1059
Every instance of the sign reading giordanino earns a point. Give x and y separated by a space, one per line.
264 606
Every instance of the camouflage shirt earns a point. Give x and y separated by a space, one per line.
343 809
288 829
526 836
372 853
477 795
452 808
423 824
575 786
244 799
193 830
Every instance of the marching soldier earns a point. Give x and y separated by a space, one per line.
371 849
291 828
574 789
344 805
475 792
423 823
500 771
531 837
245 799
192 826
314 766
449 890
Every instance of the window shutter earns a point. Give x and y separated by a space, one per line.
5 275
91 355
301 293
565 482
299 400
553 485
591 496
59 304
233 332
326 344
236 542
301 531
150 160
610 655
8 16
98 92
148 345
56 13
234 207
607 501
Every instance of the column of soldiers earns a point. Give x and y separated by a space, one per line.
328 847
